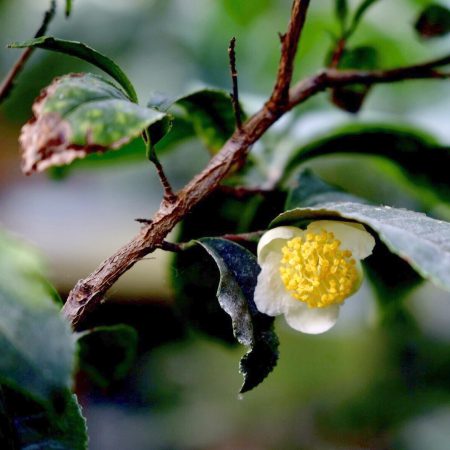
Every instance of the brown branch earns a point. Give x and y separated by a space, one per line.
330 78
289 44
240 192
169 195
8 82
337 53
88 293
234 79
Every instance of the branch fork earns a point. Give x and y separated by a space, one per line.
88 293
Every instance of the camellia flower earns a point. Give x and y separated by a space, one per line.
307 274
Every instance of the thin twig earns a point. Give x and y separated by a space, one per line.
243 191
8 82
331 78
169 195
88 293
337 53
234 78
289 44
182 246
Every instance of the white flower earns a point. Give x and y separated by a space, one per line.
307 274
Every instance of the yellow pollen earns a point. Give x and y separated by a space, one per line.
316 271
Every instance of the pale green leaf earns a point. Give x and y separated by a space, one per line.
37 345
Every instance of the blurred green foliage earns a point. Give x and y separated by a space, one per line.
356 387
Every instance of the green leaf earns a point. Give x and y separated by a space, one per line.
80 114
68 10
37 346
107 353
32 427
391 276
350 98
359 14
246 12
211 113
133 152
310 190
423 242
341 12
418 155
238 274
434 21
84 52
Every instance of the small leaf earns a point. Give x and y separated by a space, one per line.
37 345
434 21
341 12
33 427
359 14
68 10
107 353
418 155
238 273
423 242
80 114
85 53
211 114
351 98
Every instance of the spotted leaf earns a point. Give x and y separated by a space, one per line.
79 114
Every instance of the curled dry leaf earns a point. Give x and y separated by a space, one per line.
80 114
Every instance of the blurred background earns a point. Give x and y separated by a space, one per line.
364 384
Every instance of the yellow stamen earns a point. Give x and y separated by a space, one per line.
316 271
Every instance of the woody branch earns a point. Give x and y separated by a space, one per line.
89 292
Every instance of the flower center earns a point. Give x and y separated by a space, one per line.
316 271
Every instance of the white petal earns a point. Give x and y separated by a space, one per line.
271 296
274 239
353 236
311 320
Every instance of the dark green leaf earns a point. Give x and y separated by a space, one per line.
351 98
33 427
107 353
417 154
238 274
423 242
37 346
434 21
85 53
341 11
393 279
211 114
80 114
359 14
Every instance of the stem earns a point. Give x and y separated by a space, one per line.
234 79
8 82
